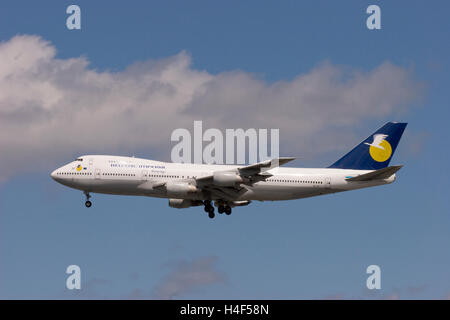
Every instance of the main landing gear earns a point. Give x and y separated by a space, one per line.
88 204
209 208
224 209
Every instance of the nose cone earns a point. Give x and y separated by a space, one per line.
59 177
53 174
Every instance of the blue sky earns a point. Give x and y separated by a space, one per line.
312 248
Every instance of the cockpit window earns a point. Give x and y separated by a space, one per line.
79 159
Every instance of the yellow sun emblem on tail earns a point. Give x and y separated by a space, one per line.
381 155
380 149
79 167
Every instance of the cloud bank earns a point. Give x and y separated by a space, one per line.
53 109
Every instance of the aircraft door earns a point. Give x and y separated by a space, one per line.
327 182
144 175
97 173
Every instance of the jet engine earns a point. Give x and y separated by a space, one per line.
184 203
240 203
226 179
180 189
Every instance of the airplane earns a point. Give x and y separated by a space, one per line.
228 186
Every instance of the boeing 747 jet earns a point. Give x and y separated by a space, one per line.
229 186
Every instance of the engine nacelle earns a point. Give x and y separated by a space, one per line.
240 203
226 179
180 188
184 203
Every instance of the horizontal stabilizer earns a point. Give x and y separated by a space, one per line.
377 174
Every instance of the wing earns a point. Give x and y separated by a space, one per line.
231 184
250 171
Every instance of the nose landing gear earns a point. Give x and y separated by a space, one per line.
88 203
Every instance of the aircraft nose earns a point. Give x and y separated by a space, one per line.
53 174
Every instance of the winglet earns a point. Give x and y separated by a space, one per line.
284 160
272 163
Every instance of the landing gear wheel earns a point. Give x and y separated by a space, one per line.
210 211
227 210
221 209
208 205
88 204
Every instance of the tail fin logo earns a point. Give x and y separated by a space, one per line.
380 149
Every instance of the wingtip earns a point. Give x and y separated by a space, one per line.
287 158
284 160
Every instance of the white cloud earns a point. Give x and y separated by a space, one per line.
52 109
188 276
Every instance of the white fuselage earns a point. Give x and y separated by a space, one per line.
133 176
